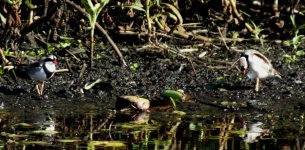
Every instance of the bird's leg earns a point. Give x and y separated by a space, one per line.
257 85
37 88
42 88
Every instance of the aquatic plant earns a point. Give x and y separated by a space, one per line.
93 11
255 32
297 39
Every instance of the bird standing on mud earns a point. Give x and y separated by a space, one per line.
257 66
41 71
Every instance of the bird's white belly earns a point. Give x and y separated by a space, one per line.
259 72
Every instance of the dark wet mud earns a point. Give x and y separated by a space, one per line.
205 80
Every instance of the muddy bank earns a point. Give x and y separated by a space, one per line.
207 80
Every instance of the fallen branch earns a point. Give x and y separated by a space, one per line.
61 70
222 38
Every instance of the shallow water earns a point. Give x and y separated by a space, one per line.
92 126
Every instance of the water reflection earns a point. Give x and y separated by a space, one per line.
254 132
143 130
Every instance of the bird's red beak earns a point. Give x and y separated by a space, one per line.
55 62
244 71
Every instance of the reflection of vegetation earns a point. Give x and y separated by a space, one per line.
163 130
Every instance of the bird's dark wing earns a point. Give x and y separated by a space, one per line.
262 57
36 65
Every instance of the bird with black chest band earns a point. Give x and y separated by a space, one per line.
41 71
257 66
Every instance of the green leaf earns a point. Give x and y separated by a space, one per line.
134 66
88 6
96 6
93 10
300 53
9 2
173 102
292 19
177 96
32 53
29 4
297 41
65 44
286 56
